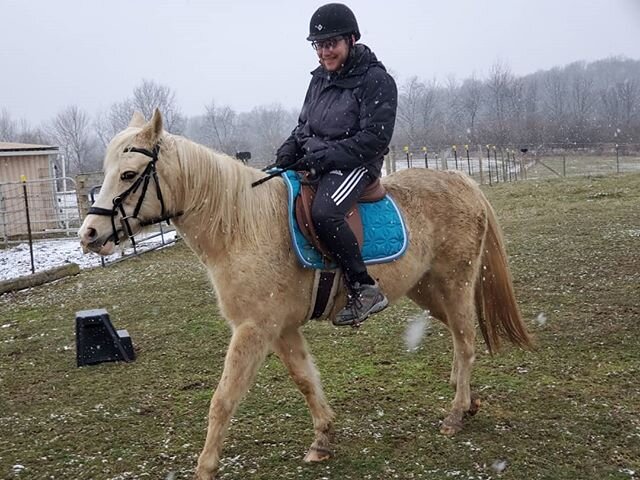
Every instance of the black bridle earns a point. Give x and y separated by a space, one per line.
145 177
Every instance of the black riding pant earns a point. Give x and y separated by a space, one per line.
337 192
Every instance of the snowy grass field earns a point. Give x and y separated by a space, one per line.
569 410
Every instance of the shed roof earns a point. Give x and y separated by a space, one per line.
21 149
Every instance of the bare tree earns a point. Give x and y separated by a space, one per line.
555 105
410 115
263 130
71 130
20 131
454 114
430 110
499 84
113 121
471 98
146 98
619 107
219 128
417 107
8 127
628 93
531 132
35 135
149 95
610 107
582 103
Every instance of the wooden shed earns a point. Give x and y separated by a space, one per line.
32 161
35 163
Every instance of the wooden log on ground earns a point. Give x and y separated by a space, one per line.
38 278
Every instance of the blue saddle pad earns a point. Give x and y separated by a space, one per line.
385 234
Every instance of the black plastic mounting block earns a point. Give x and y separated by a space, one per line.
98 341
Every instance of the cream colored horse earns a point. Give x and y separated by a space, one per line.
455 266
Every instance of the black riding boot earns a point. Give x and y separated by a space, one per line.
336 193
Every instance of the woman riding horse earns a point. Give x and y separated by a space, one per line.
343 133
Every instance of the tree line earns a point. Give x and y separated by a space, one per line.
580 103
83 139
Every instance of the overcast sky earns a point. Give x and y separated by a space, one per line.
244 53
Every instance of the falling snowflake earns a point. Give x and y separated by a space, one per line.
415 331
541 319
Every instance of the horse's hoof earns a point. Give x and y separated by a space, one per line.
449 430
206 477
317 454
200 475
451 425
475 405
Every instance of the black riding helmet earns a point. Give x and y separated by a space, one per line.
331 20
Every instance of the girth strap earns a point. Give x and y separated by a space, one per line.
326 284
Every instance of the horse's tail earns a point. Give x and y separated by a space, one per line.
496 307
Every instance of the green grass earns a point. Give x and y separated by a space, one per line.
569 410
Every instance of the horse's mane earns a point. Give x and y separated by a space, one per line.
213 186
218 189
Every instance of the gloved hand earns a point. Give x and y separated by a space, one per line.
284 161
315 162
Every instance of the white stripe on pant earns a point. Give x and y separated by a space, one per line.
348 185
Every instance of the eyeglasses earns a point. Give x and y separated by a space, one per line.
328 44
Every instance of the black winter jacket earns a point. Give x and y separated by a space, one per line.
347 117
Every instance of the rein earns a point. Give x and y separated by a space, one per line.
150 172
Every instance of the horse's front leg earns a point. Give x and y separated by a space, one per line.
247 351
292 349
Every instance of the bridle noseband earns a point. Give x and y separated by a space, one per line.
150 172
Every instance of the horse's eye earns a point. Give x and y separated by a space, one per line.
128 175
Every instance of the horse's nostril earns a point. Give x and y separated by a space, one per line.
91 234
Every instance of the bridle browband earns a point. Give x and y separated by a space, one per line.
150 172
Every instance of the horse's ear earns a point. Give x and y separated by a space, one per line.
152 130
137 120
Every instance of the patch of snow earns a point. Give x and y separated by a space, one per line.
16 261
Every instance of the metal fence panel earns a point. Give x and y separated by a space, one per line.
41 206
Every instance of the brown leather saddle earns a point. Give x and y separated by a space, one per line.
375 191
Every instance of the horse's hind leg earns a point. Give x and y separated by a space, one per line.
247 351
453 304
461 318
292 349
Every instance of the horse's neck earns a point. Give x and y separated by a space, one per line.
221 210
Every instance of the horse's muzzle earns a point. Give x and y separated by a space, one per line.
98 246
90 241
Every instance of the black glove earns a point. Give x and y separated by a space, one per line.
285 161
315 162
